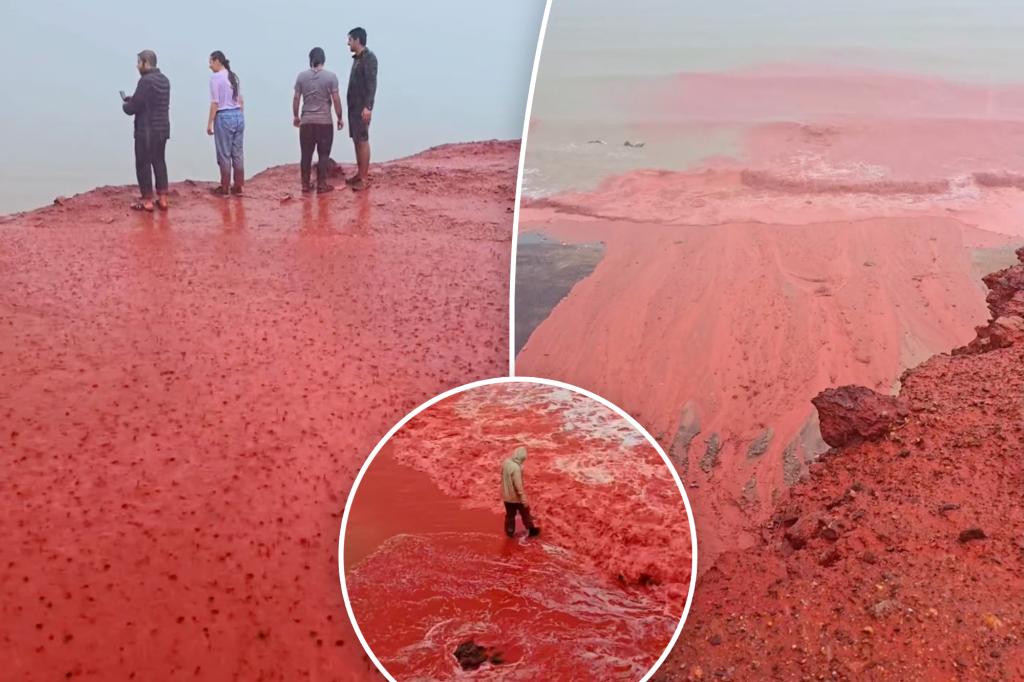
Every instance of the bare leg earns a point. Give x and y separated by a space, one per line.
363 159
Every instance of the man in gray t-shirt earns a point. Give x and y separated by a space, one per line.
316 89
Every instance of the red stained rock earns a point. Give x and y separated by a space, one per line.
853 414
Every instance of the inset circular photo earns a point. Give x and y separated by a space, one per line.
517 529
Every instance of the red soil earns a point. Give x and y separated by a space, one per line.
186 398
920 574
428 567
836 249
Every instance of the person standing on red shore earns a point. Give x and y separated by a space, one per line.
316 89
514 494
362 90
226 124
151 106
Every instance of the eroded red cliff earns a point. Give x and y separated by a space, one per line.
901 556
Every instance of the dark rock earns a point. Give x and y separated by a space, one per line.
972 534
689 427
791 465
829 533
854 414
471 655
711 454
830 557
760 444
884 608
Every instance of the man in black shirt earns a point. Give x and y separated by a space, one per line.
362 88
150 105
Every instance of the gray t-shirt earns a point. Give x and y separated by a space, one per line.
316 87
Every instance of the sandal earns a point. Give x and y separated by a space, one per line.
161 203
352 180
141 206
237 191
218 191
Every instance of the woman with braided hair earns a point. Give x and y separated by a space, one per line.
226 124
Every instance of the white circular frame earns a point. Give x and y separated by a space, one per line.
507 380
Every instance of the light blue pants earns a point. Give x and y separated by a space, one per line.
228 133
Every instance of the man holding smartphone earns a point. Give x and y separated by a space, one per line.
150 105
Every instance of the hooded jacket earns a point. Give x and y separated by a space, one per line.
512 477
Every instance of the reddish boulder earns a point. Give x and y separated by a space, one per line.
854 414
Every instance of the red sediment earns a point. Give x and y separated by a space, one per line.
835 249
187 396
598 594
896 559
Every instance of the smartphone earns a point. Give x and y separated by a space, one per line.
123 96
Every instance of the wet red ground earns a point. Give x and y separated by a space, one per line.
902 587
837 247
187 397
599 594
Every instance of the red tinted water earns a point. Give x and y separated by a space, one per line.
428 566
186 398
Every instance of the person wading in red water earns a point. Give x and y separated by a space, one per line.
514 494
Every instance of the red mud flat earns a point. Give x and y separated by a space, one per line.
428 567
836 248
897 559
187 397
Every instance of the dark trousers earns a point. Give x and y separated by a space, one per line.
150 162
319 136
510 517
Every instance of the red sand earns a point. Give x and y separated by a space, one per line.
186 399
894 592
836 249
428 566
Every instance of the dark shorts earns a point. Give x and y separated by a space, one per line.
357 130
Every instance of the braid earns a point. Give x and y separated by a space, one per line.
232 78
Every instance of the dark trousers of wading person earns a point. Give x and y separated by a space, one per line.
510 517
318 136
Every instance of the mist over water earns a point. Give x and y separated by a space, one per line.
450 71
603 60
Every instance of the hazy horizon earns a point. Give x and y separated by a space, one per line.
601 56
454 71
